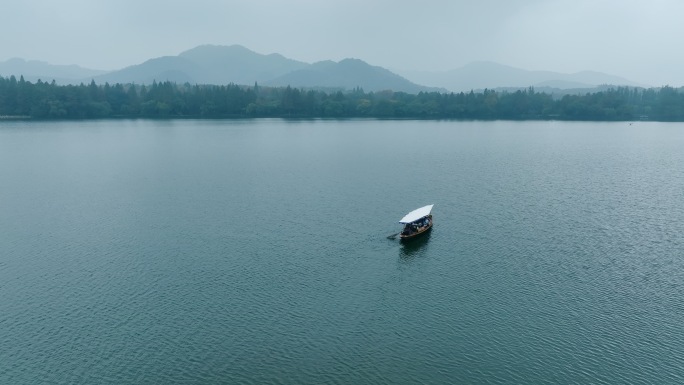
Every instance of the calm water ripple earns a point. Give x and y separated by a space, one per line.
256 252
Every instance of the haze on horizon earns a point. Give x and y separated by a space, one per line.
634 39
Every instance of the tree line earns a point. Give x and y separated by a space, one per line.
42 100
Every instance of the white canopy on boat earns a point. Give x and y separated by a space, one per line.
416 214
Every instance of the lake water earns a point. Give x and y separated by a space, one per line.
256 252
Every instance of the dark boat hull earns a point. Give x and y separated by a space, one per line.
410 237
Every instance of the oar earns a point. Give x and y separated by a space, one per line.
392 236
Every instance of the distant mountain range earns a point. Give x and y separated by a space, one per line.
211 64
34 70
481 75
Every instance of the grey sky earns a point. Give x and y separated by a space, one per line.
638 40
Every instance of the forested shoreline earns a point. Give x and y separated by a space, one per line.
42 100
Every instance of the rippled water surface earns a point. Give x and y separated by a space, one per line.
256 252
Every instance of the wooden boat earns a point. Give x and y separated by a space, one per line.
417 222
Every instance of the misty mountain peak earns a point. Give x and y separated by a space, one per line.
214 49
353 63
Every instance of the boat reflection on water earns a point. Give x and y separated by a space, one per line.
415 247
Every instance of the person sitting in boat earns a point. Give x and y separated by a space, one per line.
407 230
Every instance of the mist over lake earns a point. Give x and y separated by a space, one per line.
256 251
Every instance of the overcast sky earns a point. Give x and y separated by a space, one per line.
637 39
